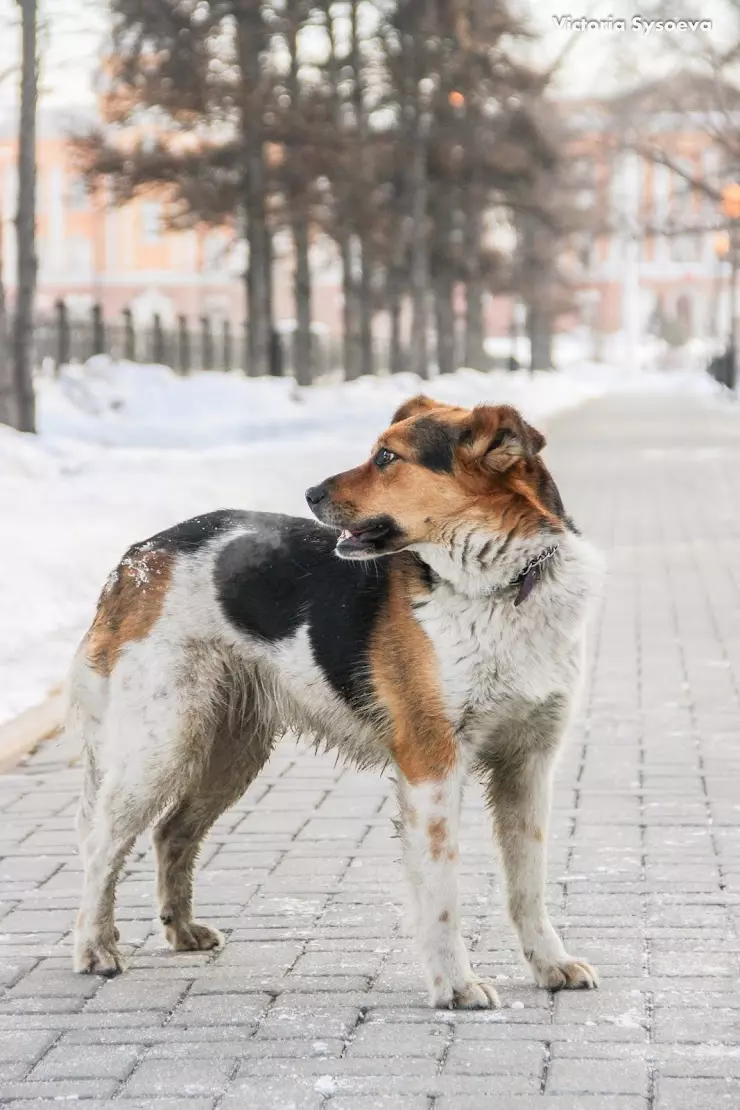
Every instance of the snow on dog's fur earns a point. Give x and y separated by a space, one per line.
447 638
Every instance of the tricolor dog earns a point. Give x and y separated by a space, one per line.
434 618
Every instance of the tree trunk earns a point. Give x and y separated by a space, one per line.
360 175
350 311
302 367
365 306
251 41
539 332
474 354
536 251
395 354
444 323
442 274
26 227
8 408
419 359
342 231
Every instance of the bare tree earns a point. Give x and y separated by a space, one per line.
251 41
296 14
25 224
8 407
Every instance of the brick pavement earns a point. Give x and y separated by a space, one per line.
316 1000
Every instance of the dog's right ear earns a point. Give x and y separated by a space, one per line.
414 406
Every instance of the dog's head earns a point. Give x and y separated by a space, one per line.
437 470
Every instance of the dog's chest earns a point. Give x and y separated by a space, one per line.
491 656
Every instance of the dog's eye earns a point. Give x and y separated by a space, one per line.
384 457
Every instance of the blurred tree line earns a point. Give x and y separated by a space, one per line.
399 131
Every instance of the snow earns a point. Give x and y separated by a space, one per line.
125 450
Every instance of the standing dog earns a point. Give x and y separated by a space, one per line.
446 636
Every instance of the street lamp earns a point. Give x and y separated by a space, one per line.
731 210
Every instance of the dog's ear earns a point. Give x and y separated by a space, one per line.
413 407
497 437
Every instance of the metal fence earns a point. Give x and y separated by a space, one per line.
185 345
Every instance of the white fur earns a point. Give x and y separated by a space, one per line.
430 815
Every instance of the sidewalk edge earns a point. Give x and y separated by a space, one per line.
22 734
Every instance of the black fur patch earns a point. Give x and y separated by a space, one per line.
192 534
434 444
549 495
283 573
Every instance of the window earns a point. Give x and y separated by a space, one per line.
686 247
79 258
151 222
214 252
77 197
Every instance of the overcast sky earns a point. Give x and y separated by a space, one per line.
596 61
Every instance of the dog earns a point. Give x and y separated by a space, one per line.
433 618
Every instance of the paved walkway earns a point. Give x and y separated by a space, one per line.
316 1001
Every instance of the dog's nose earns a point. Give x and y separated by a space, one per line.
316 494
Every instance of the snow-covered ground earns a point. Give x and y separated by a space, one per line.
126 450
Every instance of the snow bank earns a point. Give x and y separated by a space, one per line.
126 450
126 404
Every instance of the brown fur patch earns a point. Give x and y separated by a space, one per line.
495 483
437 835
129 606
406 681
415 406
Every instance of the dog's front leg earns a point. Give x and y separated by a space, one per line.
519 790
430 812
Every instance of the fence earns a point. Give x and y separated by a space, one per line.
206 344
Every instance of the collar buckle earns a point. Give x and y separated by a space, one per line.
532 574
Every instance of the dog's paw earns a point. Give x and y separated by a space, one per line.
475 994
191 936
570 973
95 957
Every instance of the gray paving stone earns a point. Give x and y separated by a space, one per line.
24 1045
66 1061
604 1077
689 1094
67 1090
486 1101
272 1095
169 1079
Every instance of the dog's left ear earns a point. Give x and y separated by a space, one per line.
499 437
414 407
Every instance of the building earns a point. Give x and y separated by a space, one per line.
92 252
661 265
653 265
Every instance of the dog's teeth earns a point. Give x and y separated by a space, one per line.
345 534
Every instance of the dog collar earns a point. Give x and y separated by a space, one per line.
531 574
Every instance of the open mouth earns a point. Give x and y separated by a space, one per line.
368 540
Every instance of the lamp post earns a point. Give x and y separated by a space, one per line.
731 209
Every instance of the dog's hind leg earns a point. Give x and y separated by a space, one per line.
239 750
178 837
151 745
117 820
88 693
